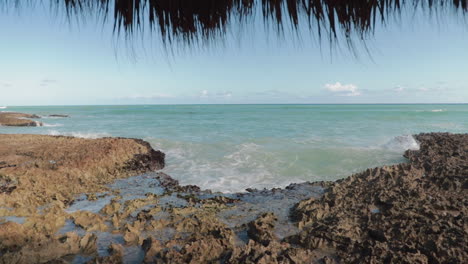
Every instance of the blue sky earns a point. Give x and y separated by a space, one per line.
46 61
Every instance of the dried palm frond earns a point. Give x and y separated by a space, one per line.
191 20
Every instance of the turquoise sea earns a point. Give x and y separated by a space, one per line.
233 147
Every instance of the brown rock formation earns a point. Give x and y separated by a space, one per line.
26 246
116 252
18 119
261 230
89 221
55 168
50 170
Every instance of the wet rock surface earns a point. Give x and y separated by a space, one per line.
40 177
407 213
53 169
18 119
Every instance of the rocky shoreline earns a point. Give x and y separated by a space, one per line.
18 119
24 120
66 199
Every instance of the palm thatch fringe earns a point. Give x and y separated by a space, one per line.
190 20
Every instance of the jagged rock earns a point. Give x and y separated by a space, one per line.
406 213
132 233
172 185
261 230
89 221
11 235
275 252
46 172
153 248
7 184
112 208
91 197
88 243
150 160
42 164
116 252
47 249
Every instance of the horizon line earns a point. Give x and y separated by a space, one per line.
7 106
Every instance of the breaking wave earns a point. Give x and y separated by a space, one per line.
402 143
79 134
433 110
224 167
51 125
229 167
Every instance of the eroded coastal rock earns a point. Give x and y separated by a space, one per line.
414 212
18 119
406 213
45 169
39 178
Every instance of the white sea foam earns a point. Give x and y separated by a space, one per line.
227 167
3 107
54 133
402 143
51 117
51 125
79 134
240 167
433 110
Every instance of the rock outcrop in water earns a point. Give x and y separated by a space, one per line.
58 115
18 119
414 212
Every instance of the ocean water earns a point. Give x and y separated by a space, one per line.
230 148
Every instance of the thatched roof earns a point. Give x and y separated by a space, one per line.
193 20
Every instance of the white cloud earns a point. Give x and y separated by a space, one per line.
204 93
271 94
222 94
423 89
399 89
225 94
149 97
343 89
47 82
5 84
